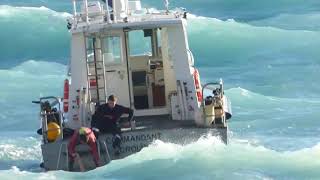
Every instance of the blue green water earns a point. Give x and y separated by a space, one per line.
267 52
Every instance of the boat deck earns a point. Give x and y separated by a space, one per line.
160 122
157 122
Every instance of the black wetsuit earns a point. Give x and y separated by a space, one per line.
107 119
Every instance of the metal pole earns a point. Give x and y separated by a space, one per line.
45 127
114 10
108 12
61 120
127 54
86 10
74 8
95 67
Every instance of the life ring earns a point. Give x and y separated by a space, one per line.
66 96
196 77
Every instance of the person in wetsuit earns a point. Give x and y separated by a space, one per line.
107 118
82 136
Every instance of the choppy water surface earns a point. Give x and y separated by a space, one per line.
266 51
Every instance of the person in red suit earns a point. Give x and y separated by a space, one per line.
82 136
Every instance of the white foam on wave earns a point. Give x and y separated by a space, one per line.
17 173
205 158
209 157
23 84
245 94
30 76
20 149
307 21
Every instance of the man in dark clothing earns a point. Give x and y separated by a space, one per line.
107 118
82 136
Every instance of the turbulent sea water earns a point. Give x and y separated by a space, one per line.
267 52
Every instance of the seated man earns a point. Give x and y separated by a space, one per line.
107 118
82 136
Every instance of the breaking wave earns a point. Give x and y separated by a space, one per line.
266 52
208 158
21 85
32 33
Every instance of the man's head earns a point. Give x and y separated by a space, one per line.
83 138
112 100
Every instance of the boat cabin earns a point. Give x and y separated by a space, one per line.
143 60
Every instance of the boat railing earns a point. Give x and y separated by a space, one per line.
110 12
83 9
191 57
55 101
218 96
206 86
88 10
60 153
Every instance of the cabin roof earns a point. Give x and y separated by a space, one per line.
140 22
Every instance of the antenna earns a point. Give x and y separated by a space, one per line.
166 4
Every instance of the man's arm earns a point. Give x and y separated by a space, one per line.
129 111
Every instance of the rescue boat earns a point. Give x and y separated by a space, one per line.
143 58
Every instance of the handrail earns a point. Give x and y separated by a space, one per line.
44 114
221 94
191 55
44 126
74 8
215 83
107 151
59 156
108 12
180 99
86 10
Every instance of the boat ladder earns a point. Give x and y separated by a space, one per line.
96 72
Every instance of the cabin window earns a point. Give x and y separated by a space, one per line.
89 46
112 50
139 43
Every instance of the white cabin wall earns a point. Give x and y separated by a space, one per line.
78 76
178 46
169 75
